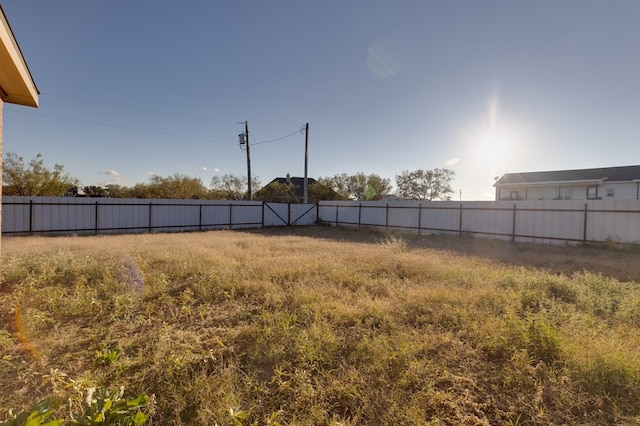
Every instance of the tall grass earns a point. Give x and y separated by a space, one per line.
321 326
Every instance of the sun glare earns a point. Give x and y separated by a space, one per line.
494 139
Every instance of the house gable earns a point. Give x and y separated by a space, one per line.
291 189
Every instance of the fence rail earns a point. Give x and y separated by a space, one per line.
59 215
523 221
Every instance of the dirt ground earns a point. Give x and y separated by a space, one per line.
616 260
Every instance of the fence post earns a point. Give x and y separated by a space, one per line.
199 217
30 216
460 220
231 216
359 214
513 224
419 217
336 214
386 219
150 204
96 218
289 214
584 229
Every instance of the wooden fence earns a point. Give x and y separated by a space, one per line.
522 221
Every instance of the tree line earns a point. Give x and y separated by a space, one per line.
33 178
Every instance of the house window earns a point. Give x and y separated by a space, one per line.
611 192
564 193
514 195
592 192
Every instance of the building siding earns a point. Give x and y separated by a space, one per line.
621 191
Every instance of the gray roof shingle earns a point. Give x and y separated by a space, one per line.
612 174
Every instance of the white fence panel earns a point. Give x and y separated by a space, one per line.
303 214
276 214
283 214
216 215
340 212
617 220
440 217
175 215
246 214
16 217
123 215
550 220
403 215
489 218
372 214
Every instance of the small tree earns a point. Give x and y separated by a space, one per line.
368 188
34 179
321 192
425 184
177 187
118 191
231 187
171 187
95 191
358 186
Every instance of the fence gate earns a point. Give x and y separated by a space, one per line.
287 214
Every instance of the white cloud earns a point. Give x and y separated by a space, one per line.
115 176
206 169
452 161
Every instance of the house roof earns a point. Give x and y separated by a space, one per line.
16 83
611 174
296 181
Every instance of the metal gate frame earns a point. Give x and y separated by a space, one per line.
288 221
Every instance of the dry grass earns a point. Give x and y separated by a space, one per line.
324 326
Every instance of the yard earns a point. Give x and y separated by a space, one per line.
318 325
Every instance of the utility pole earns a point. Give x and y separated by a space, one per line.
244 138
305 198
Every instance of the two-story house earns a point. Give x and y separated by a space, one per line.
582 184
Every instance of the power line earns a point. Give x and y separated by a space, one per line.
143 109
96 123
300 130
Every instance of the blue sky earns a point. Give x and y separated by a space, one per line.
132 88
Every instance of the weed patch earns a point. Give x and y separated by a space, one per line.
339 327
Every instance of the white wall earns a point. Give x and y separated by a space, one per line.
623 191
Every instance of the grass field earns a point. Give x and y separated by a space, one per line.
326 326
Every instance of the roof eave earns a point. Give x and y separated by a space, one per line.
558 182
16 81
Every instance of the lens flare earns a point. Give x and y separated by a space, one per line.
383 59
22 338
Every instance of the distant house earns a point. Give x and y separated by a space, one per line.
583 184
16 83
291 190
